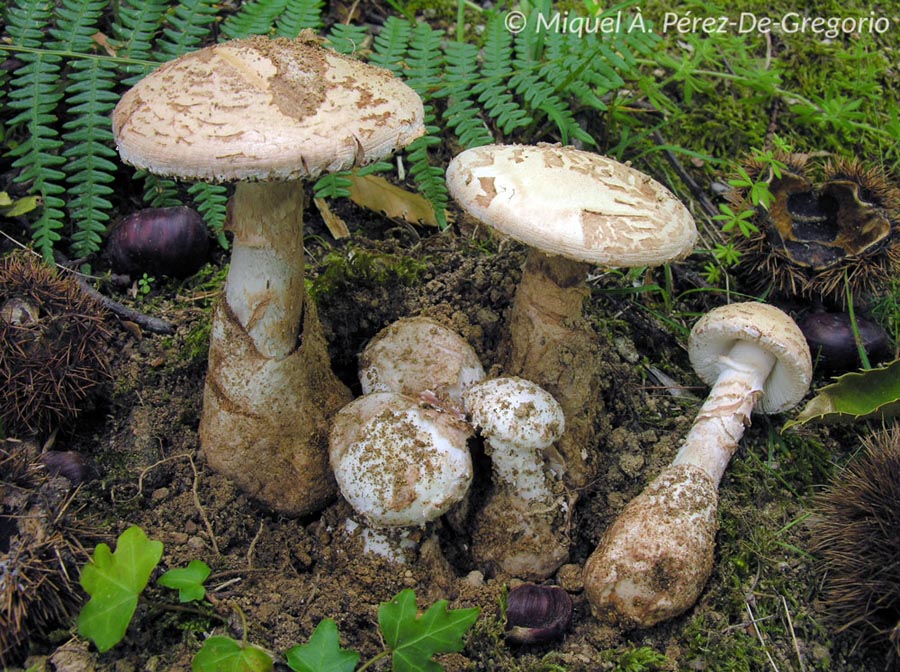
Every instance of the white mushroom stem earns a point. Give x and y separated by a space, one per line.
265 287
720 423
521 470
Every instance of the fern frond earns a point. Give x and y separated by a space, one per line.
346 38
462 115
333 185
425 62
35 93
159 192
135 28
90 155
212 201
300 14
254 18
188 26
391 44
89 101
492 90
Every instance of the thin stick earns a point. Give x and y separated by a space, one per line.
759 635
793 635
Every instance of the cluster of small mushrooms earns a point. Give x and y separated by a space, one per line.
267 113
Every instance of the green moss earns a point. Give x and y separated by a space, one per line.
354 266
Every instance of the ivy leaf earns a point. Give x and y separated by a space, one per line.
188 581
323 652
414 640
223 654
114 581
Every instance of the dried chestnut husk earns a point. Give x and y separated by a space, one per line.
536 614
830 228
159 241
833 346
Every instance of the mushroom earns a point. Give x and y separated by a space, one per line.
521 529
574 209
399 462
654 560
416 356
266 114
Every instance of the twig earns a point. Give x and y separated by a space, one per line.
793 635
759 635
151 324
253 546
190 459
148 323
699 193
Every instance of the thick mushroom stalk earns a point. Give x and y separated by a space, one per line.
265 113
521 530
574 210
654 560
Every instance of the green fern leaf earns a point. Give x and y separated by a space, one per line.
159 192
135 28
212 201
492 91
189 25
300 14
346 38
253 18
462 114
333 185
35 93
391 45
89 101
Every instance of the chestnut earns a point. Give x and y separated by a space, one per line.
833 347
537 614
159 241
67 463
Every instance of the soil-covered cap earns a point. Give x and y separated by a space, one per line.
767 327
573 204
264 109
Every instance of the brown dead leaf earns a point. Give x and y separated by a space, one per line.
377 194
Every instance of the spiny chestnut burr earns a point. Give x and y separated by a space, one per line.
654 560
856 527
833 345
159 241
537 614
52 346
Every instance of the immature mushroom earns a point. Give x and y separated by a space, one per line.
418 356
397 461
521 530
654 560
266 114
574 209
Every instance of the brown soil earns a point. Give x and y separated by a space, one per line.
286 574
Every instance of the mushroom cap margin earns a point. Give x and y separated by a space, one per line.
572 203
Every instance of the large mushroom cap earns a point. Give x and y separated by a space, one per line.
573 204
716 333
261 109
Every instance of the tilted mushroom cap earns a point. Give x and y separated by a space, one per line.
416 354
573 204
261 109
716 333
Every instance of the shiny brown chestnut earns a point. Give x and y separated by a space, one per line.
537 614
833 347
159 241
67 463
